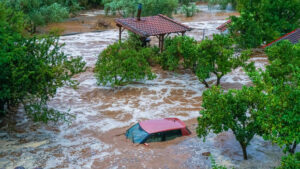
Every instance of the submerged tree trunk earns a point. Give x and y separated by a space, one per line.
293 148
218 81
205 83
2 107
244 148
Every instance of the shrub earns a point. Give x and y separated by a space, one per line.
128 8
119 65
291 161
177 49
189 10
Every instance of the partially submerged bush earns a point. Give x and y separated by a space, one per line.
177 49
189 10
119 65
292 161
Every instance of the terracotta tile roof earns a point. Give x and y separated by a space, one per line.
224 26
293 37
152 25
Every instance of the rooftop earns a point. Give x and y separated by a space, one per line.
293 37
224 26
160 125
152 25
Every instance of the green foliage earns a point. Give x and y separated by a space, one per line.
292 161
234 110
214 165
177 49
246 31
189 10
223 3
40 12
264 20
217 56
128 8
119 65
32 69
280 116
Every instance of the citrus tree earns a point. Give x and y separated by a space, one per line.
234 110
119 65
264 20
217 57
280 117
179 48
32 68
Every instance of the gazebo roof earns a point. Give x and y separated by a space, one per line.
152 25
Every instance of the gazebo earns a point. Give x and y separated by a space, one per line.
158 26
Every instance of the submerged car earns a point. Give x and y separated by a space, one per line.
157 130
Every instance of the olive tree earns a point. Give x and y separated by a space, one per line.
234 110
217 56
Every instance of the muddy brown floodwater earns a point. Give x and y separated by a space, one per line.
96 138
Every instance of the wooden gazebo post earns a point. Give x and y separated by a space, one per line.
161 39
120 32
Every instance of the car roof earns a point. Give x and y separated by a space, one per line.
160 125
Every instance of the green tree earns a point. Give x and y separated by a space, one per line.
234 110
118 65
223 3
264 20
39 13
179 48
128 8
280 116
32 68
217 56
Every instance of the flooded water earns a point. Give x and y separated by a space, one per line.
96 137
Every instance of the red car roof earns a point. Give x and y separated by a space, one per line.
160 125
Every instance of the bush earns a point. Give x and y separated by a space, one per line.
177 49
189 10
292 161
119 65
128 8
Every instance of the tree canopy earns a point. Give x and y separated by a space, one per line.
32 68
234 110
280 116
264 20
119 64
217 57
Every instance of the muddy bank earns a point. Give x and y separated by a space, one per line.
96 20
